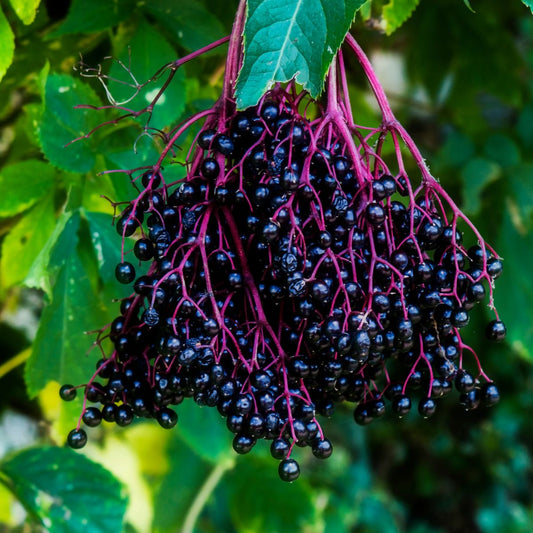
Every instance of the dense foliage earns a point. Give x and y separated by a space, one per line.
463 91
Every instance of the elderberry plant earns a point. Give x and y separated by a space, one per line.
295 267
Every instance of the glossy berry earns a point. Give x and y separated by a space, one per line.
67 393
427 407
92 417
496 330
125 272
288 470
77 438
167 418
322 448
489 394
279 449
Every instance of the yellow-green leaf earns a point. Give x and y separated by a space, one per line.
25 9
7 45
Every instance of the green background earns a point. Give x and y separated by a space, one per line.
461 83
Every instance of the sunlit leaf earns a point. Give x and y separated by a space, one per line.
7 45
22 184
396 12
24 242
25 9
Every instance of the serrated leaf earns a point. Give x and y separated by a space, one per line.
477 175
528 3
25 9
66 491
146 53
22 184
103 14
286 39
23 243
190 23
396 12
60 123
503 150
61 345
7 45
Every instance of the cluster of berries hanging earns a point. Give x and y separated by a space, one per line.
291 270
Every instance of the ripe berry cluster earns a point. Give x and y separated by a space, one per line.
287 274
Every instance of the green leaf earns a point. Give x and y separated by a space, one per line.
103 14
524 126
204 430
61 345
521 183
7 45
467 4
456 151
61 123
25 9
190 23
514 289
66 491
106 244
528 3
286 39
39 275
22 184
23 243
396 12
503 150
366 10
146 53
477 175
174 498
290 505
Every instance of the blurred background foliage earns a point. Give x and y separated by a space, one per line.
462 84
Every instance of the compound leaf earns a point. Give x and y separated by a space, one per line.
65 491
528 3
286 39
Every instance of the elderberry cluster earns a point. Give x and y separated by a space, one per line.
289 272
